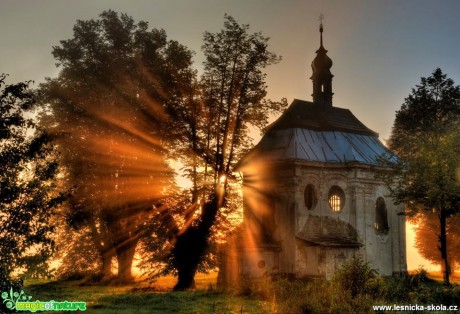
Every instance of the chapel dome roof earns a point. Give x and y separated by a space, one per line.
309 115
322 64
317 131
307 132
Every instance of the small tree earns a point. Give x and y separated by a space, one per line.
426 138
28 192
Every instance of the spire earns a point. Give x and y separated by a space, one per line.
321 18
322 76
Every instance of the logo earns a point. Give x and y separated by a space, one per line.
20 301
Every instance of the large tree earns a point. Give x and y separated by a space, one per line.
216 120
28 191
107 110
426 138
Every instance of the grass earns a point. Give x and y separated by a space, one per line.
251 296
437 275
142 298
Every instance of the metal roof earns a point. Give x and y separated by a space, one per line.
308 115
321 146
308 131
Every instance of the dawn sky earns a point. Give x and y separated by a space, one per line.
380 49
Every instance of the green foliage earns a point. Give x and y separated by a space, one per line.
216 119
426 138
304 296
416 288
145 300
321 296
401 287
233 90
126 99
316 296
28 191
354 276
75 253
255 288
108 111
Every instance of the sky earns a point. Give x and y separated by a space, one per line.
380 49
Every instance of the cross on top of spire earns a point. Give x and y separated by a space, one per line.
320 19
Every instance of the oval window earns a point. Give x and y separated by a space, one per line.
336 198
261 264
310 197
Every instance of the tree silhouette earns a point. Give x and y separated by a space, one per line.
426 238
426 138
230 99
126 99
107 110
28 190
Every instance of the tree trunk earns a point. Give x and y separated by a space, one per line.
186 263
191 245
104 246
125 255
443 246
106 268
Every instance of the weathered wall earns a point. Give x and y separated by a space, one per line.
275 213
385 253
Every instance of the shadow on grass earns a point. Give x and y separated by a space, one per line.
181 302
139 299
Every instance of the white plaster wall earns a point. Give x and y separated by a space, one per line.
385 254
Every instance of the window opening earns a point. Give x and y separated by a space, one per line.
310 197
336 199
381 217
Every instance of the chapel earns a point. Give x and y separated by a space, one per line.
312 200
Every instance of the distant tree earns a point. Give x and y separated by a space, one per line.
28 190
215 134
426 138
108 110
427 225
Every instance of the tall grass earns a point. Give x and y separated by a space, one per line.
355 288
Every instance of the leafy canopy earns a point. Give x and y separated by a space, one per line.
426 138
28 189
108 112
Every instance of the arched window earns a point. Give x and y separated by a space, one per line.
381 217
310 197
336 198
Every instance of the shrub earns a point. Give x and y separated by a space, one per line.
355 276
396 288
255 288
292 296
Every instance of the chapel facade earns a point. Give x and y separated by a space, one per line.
311 197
